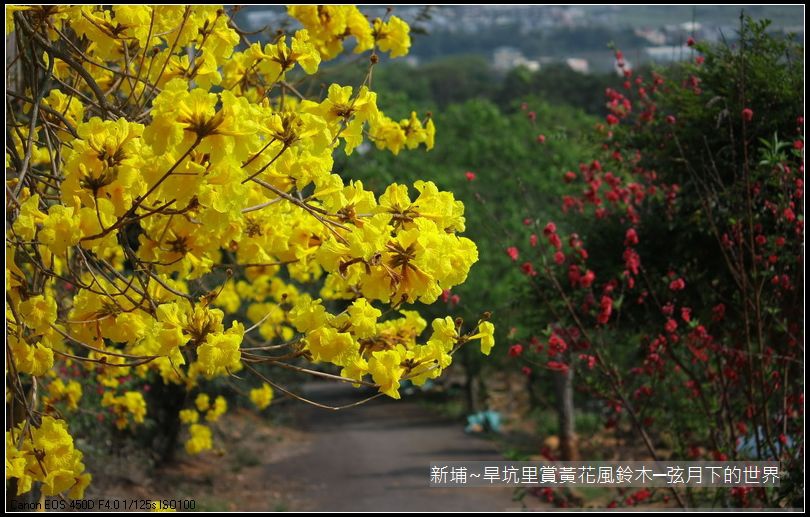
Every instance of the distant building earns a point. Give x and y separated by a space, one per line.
654 36
578 64
507 58
667 53
411 61
259 18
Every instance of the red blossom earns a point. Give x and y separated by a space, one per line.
541 139
747 114
677 285
632 261
611 119
533 240
516 350
605 310
631 237
469 175
690 41
556 345
513 253
642 495
574 274
587 279
559 257
589 359
528 269
671 325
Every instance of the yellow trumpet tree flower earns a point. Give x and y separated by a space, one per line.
174 218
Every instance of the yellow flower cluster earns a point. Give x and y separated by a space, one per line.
388 351
200 439
262 397
330 25
200 435
60 391
130 405
173 210
45 454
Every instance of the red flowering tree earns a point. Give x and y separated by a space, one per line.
671 284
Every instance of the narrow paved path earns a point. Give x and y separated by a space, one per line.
377 457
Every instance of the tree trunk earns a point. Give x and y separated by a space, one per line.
565 410
169 400
471 377
471 391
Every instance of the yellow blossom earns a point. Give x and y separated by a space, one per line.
217 410
200 439
189 416
262 397
393 36
386 369
202 402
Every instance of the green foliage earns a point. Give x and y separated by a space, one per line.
556 84
438 83
713 145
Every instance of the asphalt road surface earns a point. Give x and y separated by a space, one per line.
376 457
